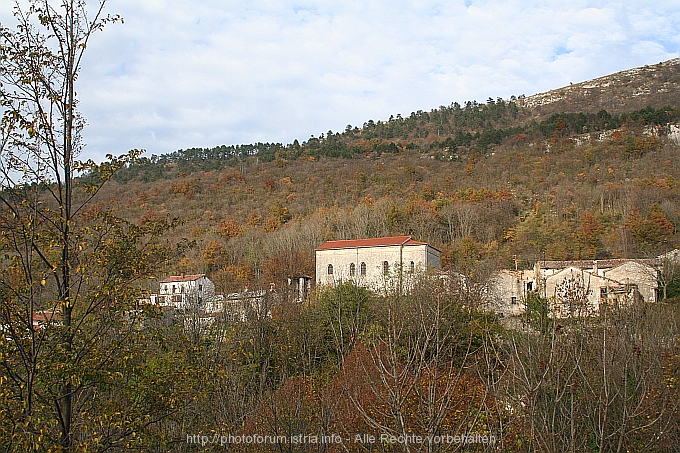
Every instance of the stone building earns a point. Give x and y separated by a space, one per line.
576 287
508 291
373 262
603 277
186 292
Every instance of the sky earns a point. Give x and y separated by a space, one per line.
179 74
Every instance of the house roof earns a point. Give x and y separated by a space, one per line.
182 278
45 316
589 264
373 242
592 275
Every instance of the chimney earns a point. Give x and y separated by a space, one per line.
181 275
595 267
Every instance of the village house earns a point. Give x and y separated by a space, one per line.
195 295
372 262
248 304
602 277
43 318
672 256
509 290
184 292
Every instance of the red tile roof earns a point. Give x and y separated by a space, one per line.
182 278
45 316
374 242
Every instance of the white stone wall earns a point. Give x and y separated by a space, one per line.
508 284
591 287
422 257
645 277
200 291
207 290
508 291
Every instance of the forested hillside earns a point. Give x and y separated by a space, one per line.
492 185
482 182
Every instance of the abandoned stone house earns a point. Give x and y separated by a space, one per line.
372 262
583 287
508 289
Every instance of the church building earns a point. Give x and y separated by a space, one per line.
372 262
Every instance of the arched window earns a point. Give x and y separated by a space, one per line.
413 267
352 269
386 268
363 269
330 269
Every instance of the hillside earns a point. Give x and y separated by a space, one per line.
622 92
483 182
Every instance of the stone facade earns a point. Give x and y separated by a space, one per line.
576 287
508 290
574 292
186 292
639 274
372 263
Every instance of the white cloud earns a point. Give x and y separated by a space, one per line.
179 74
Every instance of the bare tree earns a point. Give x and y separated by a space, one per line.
669 273
588 384
414 369
461 220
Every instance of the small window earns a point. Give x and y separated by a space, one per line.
363 269
413 267
386 268
530 286
173 289
513 301
330 269
200 287
352 270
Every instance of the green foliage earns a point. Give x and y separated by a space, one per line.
191 160
345 311
566 124
673 290
69 304
488 121
538 312
129 377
